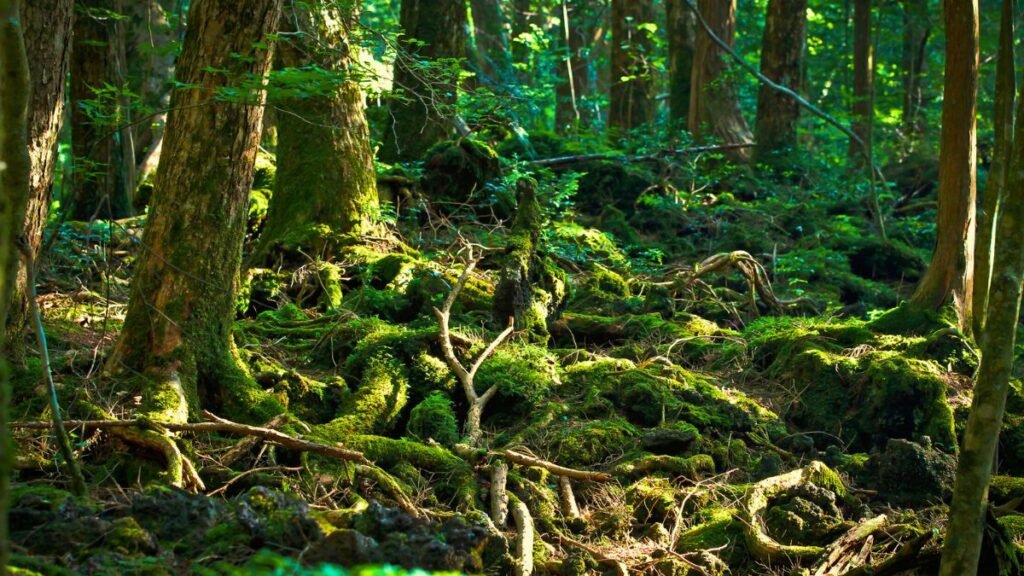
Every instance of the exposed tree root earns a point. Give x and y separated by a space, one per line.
752 271
850 550
524 539
499 493
526 460
570 510
390 485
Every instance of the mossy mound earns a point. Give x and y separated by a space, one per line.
456 171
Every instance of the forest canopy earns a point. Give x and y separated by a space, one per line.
552 287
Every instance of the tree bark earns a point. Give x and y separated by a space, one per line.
782 55
421 115
916 30
950 274
47 28
631 101
714 109
325 172
177 331
490 29
14 192
1006 88
100 186
974 469
863 81
682 36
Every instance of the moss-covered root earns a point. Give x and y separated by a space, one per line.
761 545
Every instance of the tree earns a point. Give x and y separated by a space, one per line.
490 30
714 109
632 100
420 112
682 32
575 107
325 173
950 274
15 167
967 511
916 31
177 331
863 81
782 52
47 28
100 185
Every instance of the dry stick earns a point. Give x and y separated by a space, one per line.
499 493
466 377
578 158
63 442
876 173
524 460
524 541
246 444
570 509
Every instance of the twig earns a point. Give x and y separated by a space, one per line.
525 460
246 444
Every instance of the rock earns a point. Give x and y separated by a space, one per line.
658 534
344 548
671 440
910 474
798 443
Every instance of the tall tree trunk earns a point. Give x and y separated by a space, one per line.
863 81
999 171
14 193
47 27
575 108
950 274
782 55
100 186
714 108
964 534
916 30
490 29
177 332
682 37
632 100
325 174
421 115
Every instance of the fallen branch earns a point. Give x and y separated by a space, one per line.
849 550
570 509
524 460
524 540
499 493
579 158
752 270
246 444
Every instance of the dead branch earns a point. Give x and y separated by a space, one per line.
246 444
499 492
752 270
525 460
524 539
477 402
570 509
851 549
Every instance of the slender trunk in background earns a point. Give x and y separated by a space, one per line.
631 102
493 55
967 511
14 193
950 275
782 56
99 184
576 108
916 30
420 115
714 108
47 28
998 174
682 37
325 174
863 81
177 332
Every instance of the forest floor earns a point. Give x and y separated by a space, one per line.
665 418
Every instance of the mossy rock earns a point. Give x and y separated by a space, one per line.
585 246
377 403
434 418
911 474
715 528
524 375
455 171
653 499
610 183
591 443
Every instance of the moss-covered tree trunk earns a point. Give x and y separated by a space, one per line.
863 81
714 108
325 174
682 37
916 30
47 27
631 101
420 115
177 332
950 276
998 174
782 55
100 186
14 192
974 468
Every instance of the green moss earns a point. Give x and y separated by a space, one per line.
717 529
434 418
1002 489
591 443
329 277
693 467
455 169
378 401
127 537
585 246
524 375
428 374
653 500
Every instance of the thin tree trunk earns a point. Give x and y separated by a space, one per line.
490 29
782 55
916 30
14 193
177 332
974 469
632 99
682 37
421 114
47 26
714 109
325 173
575 109
1006 87
863 80
950 274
